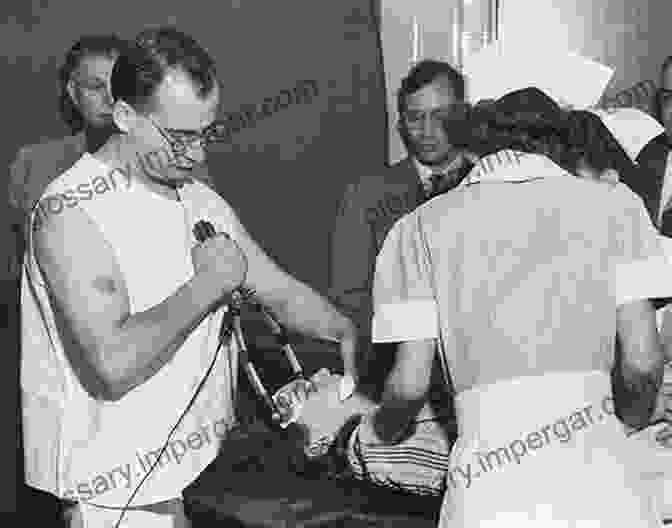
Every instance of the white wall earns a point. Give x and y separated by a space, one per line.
631 36
425 29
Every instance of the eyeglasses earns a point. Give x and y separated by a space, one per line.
181 140
417 118
93 86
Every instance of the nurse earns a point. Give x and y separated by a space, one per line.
519 282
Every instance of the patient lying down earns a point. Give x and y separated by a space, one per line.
329 413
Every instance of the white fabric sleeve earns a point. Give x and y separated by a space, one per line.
643 267
404 305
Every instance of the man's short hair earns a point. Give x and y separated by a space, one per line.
87 46
138 73
424 73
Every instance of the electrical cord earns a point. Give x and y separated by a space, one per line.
202 231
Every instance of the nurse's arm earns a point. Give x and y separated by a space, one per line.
638 373
405 393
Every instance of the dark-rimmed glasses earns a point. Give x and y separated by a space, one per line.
415 119
96 87
181 140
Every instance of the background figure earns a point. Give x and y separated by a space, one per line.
371 205
501 298
655 157
85 104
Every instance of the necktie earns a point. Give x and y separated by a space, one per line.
435 181
440 182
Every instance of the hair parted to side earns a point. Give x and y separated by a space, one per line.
530 121
138 73
425 72
86 46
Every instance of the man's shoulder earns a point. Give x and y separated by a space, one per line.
85 169
402 173
52 148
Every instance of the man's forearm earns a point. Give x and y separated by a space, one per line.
307 312
147 341
356 304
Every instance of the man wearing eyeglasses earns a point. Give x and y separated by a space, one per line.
431 93
85 105
122 306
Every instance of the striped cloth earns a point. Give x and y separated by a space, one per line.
418 465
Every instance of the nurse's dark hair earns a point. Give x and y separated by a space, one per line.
567 137
87 46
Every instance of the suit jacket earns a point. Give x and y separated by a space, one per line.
652 161
37 165
368 209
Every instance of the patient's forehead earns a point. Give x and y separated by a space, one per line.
324 378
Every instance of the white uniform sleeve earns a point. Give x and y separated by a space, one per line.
643 268
404 305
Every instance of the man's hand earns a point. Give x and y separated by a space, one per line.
320 404
221 258
348 351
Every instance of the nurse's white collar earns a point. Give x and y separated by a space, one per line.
515 167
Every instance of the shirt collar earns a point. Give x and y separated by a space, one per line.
80 142
513 166
425 172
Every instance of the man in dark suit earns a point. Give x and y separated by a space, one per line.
655 157
430 93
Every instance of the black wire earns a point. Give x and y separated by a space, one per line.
165 446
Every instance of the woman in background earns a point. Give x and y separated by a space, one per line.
85 104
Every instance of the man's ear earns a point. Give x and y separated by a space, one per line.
403 134
72 93
401 128
124 116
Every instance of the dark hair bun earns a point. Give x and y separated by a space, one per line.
528 120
